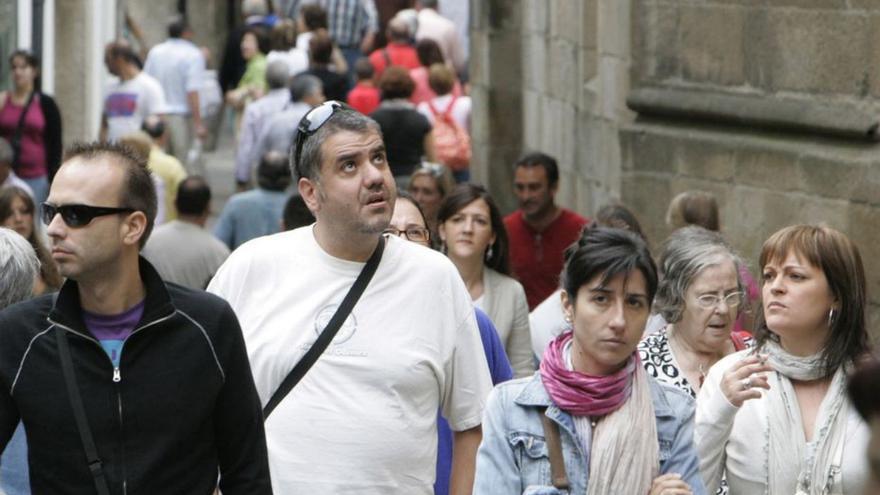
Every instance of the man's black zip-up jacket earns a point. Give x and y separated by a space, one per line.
179 411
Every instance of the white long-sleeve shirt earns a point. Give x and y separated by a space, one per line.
734 438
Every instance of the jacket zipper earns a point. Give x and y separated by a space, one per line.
117 379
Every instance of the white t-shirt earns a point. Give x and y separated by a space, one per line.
363 420
178 66
128 103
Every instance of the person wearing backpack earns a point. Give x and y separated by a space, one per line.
450 117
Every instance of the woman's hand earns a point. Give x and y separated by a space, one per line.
744 380
670 484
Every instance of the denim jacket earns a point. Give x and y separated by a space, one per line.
513 457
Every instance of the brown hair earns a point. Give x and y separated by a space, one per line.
441 79
693 208
465 194
138 191
396 83
832 252
48 270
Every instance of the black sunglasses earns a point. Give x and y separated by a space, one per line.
309 124
77 215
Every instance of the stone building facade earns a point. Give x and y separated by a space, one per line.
772 105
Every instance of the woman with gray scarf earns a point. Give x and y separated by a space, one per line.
777 419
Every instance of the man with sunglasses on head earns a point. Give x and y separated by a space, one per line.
362 419
125 383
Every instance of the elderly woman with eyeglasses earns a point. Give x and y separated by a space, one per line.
698 297
429 185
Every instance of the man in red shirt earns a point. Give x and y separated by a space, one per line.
364 97
399 50
539 230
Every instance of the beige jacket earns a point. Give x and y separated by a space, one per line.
504 300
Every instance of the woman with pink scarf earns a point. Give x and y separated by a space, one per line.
591 420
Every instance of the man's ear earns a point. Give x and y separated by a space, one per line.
134 227
309 191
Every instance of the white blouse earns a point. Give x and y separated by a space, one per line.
734 438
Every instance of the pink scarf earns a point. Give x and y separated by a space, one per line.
581 394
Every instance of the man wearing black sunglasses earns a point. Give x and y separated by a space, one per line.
363 419
125 383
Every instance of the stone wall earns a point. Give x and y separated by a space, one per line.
551 75
770 105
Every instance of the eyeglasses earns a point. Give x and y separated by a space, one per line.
415 234
309 124
77 215
732 300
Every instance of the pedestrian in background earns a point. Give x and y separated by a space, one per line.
31 122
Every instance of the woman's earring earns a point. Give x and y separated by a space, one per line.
567 318
489 253
830 317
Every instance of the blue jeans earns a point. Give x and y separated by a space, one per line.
14 479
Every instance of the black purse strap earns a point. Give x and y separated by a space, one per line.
311 356
19 128
79 413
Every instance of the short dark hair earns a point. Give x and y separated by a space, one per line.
138 192
465 194
619 216
193 196
363 69
607 252
538 159
154 126
429 52
296 213
177 26
396 83
344 118
832 252
320 47
121 49
314 16
262 37
272 172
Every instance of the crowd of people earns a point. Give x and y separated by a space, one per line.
364 319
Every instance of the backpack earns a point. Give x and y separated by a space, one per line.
452 145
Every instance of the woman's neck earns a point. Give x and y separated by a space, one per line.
689 356
22 92
471 271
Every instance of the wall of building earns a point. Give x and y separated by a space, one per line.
771 105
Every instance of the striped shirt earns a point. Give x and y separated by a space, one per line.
350 20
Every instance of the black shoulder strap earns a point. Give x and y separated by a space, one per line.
387 57
554 450
79 413
19 128
342 312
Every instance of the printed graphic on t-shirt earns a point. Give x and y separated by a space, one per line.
346 331
121 104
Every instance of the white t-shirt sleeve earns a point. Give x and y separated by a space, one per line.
155 97
194 71
467 384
